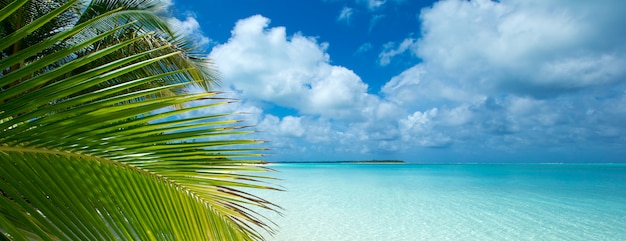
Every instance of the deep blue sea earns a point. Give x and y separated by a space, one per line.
332 202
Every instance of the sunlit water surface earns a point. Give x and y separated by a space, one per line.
332 202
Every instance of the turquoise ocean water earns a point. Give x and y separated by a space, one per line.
334 202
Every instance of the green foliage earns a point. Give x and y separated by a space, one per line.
92 143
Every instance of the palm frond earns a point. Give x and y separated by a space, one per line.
81 197
147 13
10 8
34 25
98 153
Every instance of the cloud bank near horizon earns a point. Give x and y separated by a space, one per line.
495 77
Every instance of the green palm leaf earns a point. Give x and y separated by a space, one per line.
135 204
91 147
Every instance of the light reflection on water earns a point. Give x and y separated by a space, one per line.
450 202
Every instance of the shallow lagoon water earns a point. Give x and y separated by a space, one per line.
450 202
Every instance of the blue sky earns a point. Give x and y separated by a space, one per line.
422 81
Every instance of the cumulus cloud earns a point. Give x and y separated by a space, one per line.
507 76
288 126
513 74
538 48
418 87
525 47
265 64
335 112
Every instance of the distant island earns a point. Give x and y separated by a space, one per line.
348 162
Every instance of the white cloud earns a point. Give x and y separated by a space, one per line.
189 27
526 47
265 64
418 122
346 15
375 4
391 49
457 116
418 87
167 3
507 76
586 70
288 126
513 74
419 128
